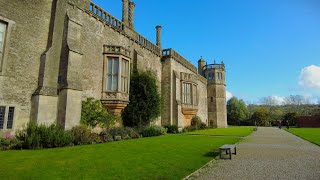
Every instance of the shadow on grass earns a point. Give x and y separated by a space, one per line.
211 154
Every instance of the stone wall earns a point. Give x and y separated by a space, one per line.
171 87
203 100
96 34
26 40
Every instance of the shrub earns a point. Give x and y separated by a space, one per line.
106 136
93 113
196 124
144 104
9 143
124 133
189 128
81 135
173 129
153 131
35 136
203 126
196 121
132 133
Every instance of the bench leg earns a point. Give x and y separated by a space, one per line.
230 153
235 150
220 153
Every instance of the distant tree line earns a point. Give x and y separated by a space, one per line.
270 111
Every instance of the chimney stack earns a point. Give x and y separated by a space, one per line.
131 14
158 28
125 11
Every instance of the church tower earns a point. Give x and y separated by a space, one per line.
217 114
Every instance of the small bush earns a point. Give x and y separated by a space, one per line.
35 136
124 133
202 126
9 143
196 124
172 129
196 121
93 113
132 133
81 135
150 131
106 136
189 129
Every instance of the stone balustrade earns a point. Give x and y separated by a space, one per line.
105 17
116 24
173 54
214 66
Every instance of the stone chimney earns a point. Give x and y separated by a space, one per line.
131 14
158 28
125 12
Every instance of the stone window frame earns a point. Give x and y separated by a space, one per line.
193 93
4 57
120 75
6 116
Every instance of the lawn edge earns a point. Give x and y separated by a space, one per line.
212 162
302 138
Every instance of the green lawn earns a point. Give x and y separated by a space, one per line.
231 131
164 157
309 134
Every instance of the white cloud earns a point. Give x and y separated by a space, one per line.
278 100
310 77
228 95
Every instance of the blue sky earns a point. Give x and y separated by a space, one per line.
270 47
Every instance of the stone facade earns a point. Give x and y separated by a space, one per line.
57 53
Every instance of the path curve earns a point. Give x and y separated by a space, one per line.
269 153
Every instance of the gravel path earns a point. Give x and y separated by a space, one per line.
269 153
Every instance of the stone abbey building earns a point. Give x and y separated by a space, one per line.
56 53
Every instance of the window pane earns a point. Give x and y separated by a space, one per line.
115 66
3 28
109 66
115 83
10 118
1 37
122 84
2 114
194 91
109 83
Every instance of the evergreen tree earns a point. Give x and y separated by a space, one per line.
144 104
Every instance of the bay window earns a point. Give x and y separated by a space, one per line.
116 78
189 93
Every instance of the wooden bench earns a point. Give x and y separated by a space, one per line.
227 148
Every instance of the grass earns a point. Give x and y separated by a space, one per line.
164 157
309 134
231 131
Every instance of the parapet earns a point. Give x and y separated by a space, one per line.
176 56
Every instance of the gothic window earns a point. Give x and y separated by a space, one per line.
189 93
6 118
3 29
117 74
